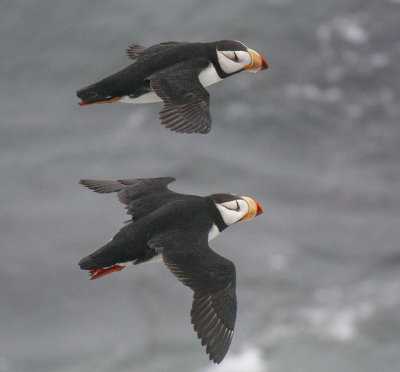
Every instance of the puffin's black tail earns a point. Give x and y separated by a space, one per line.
116 254
105 260
91 263
109 89
98 260
95 93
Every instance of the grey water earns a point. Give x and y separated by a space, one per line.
315 141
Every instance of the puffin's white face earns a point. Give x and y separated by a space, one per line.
233 211
233 61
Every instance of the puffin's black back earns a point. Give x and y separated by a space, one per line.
154 209
131 80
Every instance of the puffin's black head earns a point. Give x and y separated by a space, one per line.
234 56
234 208
231 45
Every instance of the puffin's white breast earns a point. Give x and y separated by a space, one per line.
214 231
209 76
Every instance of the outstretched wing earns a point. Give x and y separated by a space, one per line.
141 195
186 101
213 280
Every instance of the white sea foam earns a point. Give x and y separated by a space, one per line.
347 28
379 60
278 261
249 360
313 93
351 30
337 324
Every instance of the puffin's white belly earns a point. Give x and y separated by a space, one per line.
145 98
156 258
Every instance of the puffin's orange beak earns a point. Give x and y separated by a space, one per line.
258 63
254 209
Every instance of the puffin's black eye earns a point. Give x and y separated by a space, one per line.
232 206
230 54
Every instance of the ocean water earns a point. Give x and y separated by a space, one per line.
315 140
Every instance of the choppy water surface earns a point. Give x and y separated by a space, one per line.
315 140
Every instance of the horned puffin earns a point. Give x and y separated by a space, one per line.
177 74
176 228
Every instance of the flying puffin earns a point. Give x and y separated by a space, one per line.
177 74
176 228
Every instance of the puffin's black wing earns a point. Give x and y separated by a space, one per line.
141 195
135 50
213 280
186 102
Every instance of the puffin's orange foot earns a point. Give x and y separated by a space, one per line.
98 273
83 103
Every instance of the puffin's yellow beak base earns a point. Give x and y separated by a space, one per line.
258 63
254 209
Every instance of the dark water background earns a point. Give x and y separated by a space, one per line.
315 140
